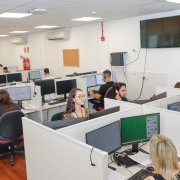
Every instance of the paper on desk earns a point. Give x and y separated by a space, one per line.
113 175
29 106
141 158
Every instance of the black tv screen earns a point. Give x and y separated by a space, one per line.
160 33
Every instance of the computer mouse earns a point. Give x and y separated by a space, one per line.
150 168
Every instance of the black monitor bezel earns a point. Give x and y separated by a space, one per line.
103 127
4 75
139 141
11 74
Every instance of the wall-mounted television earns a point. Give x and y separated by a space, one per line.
160 33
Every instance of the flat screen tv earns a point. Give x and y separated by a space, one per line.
160 33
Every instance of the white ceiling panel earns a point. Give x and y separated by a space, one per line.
15 3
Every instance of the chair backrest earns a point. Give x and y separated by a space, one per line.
57 116
109 93
11 124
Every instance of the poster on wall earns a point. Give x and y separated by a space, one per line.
71 57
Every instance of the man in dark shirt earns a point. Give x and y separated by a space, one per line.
119 90
99 98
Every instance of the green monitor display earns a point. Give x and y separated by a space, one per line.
139 128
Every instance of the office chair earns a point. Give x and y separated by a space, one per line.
11 130
109 93
57 116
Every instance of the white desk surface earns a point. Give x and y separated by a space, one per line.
128 172
47 106
25 111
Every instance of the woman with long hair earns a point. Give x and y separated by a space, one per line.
6 104
163 155
75 105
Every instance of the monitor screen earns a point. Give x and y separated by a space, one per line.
14 77
174 106
12 68
64 87
139 128
34 75
64 123
106 138
159 96
99 80
104 112
3 79
90 80
20 93
47 86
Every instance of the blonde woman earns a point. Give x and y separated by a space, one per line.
164 157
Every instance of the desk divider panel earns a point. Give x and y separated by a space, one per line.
156 103
170 90
169 123
78 131
109 103
51 155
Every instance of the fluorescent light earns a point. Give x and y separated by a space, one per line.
86 19
173 1
14 15
45 26
19 31
3 35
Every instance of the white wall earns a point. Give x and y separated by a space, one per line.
121 35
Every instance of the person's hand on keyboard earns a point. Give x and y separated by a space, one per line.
91 93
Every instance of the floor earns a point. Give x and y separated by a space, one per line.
16 172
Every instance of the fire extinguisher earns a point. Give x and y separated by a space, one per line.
26 63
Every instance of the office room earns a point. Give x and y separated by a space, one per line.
147 70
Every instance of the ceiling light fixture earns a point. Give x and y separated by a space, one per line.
173 1
45 26
3 35
37 11
19 31
86 19
14 15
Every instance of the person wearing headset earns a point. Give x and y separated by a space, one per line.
98 99
47 74
119 90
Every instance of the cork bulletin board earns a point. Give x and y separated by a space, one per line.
71 57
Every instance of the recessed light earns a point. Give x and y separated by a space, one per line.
14 15
45 26
86 19
3 35
19 31
173 1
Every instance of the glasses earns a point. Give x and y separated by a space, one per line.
81 96
124 90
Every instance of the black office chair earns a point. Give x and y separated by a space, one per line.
11 130
110 94
57 116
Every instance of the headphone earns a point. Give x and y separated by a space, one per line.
92 164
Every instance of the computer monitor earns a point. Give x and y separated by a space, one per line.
64 123
90 80
22 93
64 87
159 96
3 79
139 129
99 80
104 112
12 68
34 75
106 138
47 87
14 77
174 106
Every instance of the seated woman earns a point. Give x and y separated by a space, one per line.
163 155
6 104
119 90
75 105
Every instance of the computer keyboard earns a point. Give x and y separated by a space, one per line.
57 102
141 175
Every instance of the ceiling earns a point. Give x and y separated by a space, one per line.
60 12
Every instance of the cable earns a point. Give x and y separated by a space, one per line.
51 97
125 75
135 59
92 164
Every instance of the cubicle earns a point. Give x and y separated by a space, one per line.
170 90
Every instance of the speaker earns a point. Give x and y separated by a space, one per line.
117 59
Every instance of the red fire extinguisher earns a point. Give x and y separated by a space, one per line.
26 63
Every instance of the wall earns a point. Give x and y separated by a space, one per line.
121 35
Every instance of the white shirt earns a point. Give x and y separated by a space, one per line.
49 77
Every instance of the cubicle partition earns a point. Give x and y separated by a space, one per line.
109 103
53 155
170 90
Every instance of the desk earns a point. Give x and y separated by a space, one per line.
128 172
46 106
